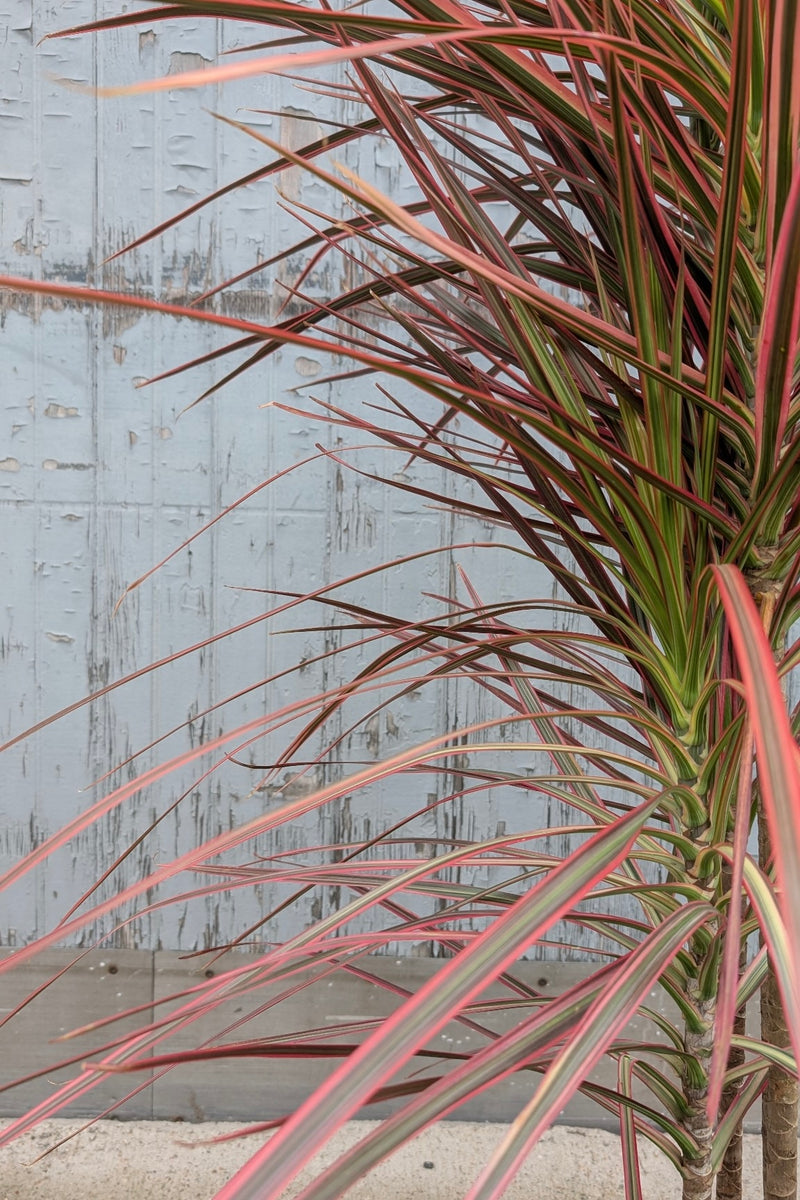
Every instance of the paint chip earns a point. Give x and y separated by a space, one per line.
60 410
52 464
9 464
307 366
59 637
186 60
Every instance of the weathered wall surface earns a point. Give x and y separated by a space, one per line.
99 479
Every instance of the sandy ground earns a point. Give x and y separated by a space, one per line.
144 1160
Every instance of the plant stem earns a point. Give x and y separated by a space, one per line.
698 1176
729 1180
779 1102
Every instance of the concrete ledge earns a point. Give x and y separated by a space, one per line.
247 1090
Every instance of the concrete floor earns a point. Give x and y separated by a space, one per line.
144 1160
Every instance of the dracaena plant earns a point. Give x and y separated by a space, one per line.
597 280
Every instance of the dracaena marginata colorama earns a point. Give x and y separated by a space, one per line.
597 282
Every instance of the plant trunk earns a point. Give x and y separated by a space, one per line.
778 1104
779 1099
698 1177
729 1180
779 1111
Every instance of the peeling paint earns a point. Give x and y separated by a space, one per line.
307 366
59 637
24 245
372 735
52 464
293 786
191 278
184 60
60 410
297 128
9 464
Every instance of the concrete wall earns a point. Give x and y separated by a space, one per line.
100 480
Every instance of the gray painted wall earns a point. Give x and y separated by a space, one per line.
99 480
